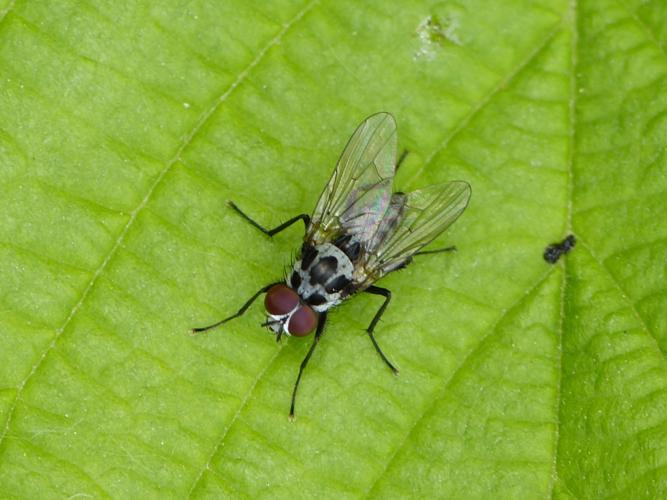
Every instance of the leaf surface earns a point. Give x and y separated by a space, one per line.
125 127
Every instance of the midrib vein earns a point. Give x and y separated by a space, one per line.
568 229
486 100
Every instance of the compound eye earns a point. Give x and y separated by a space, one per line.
302 322
280 299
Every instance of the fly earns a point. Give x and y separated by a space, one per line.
359 231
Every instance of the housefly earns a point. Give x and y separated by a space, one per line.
359 231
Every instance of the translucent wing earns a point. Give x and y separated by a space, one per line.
413 220
358 193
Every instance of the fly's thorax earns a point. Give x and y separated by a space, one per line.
322 276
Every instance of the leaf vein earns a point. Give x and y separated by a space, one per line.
7 10
486 100
187 140
645 28
572 112
625 296
443 389
244 402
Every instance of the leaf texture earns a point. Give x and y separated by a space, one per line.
125 127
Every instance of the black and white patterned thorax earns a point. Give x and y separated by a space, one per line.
322 276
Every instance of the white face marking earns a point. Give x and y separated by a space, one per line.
281 321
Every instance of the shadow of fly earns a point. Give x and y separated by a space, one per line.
359 231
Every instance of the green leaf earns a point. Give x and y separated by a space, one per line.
126 126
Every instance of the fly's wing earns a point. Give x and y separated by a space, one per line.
358 193
417 219
389 223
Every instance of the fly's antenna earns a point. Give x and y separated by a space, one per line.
271 322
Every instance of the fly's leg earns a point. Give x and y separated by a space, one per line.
318 334
408 261
437 250
401 159
270 232
376 290
240 312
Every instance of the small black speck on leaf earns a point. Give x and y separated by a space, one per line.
553 252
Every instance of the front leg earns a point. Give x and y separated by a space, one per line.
240 312
318 333
270 232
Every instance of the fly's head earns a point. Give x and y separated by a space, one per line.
287 314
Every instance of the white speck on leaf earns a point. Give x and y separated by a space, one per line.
434 32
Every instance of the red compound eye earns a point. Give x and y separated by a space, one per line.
302 322
280 299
